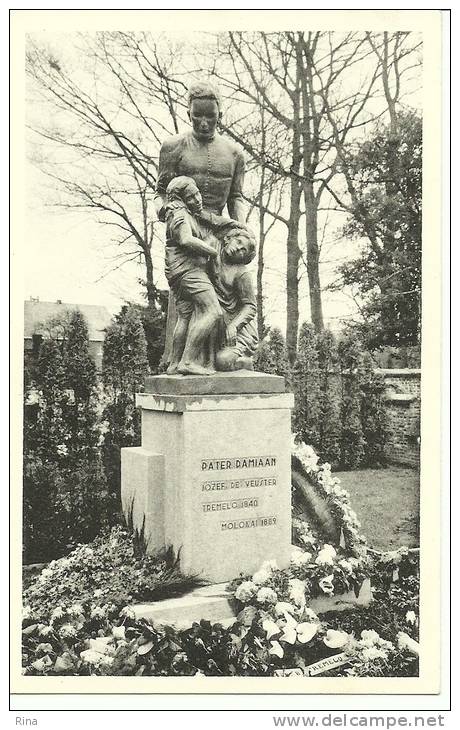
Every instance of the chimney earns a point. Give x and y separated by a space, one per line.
58 301
34 299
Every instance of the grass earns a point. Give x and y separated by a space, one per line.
387 504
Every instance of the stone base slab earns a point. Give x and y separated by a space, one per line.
224 402
214 603
239 382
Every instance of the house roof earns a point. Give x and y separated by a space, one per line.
37 313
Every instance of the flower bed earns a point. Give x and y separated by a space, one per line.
270 636
76 620
109 571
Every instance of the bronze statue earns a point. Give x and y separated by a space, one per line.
204 333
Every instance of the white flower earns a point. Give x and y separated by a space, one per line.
297 591
245 591
298 632
386 645
411 618
346 566
289 633
97 593
75 610
67 631
276 649
45 574
369 637
57 614
119 632
269 565
97 612
89 656
405 642
326 555
299 556
306 631
327 584
41 664
262 576
282 607
305 453
266 595
62 450
46 631
270 628
33 397
336 639
104 427
371 653
26 612
44 649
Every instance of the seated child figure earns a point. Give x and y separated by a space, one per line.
235 292
206 257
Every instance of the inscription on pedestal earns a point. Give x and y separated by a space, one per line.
242 524
235 504
243 462
238 484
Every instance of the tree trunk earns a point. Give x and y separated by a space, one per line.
292 272
260 253
293 250
260 272
152 291
314 284
310 151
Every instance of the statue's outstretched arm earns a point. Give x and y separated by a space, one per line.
235 203
183 234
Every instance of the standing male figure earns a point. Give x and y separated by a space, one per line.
213 162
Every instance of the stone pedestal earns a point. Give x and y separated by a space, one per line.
213 475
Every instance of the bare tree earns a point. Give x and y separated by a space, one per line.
290 75
103 122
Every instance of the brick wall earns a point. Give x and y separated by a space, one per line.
403 415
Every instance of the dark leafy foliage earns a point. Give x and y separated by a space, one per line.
352 440
339 400
272 355
124 367
330 382
65 496
306 382
387 214
154 323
